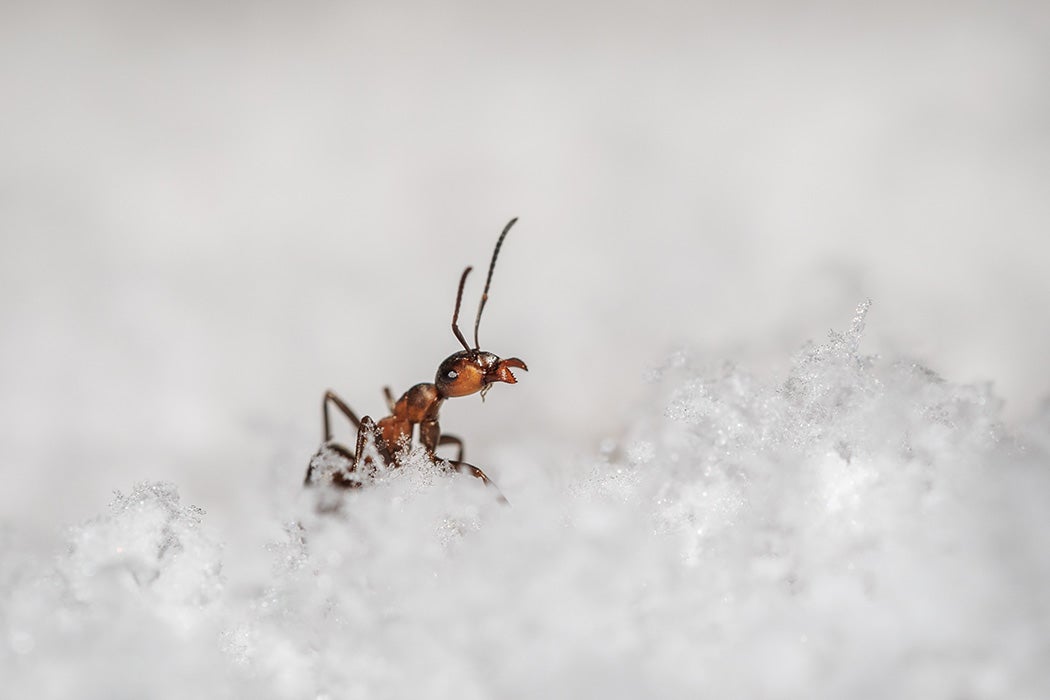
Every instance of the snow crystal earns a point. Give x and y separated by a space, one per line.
857 527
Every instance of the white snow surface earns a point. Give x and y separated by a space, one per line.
853 526
212 212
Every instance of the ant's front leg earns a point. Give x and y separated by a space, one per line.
430 435
452 440
431 438
465 468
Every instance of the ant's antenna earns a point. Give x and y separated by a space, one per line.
455 314
488 281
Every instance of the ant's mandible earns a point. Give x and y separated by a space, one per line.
466 372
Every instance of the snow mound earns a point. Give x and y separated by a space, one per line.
148 546
858 527
861 528
130 606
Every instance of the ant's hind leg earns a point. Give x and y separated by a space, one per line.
330 397
367 426
339 476
360 464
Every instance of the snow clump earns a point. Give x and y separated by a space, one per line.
858 527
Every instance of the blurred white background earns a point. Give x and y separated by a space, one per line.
211 213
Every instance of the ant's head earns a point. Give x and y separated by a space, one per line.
472 369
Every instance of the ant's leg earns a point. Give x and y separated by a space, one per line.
338 479
368 426
464 468
430 436
389 395
452 440
330 397
357 458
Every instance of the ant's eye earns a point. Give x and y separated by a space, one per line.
452 374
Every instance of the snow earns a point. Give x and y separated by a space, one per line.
211 213
855 526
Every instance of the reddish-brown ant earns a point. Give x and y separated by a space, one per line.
466 372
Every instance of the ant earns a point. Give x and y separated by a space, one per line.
463 373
